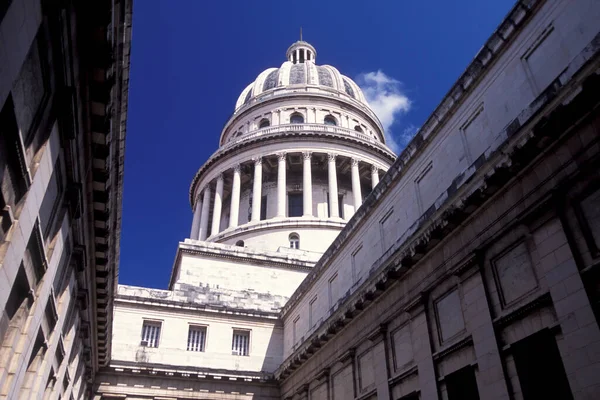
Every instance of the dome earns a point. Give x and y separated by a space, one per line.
300 69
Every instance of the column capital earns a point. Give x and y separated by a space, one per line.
355 161
237 168
257 160
374 168
281 156
307 155
331 156
220 177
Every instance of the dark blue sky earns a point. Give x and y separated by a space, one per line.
191 59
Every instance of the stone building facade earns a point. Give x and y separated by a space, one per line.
468 271
64 71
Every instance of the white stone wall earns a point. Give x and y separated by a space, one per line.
549 40
235 274
265 352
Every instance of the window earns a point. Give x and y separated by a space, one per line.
196 338
295 205
540 368
295 330
294 241
462 385
311 307
240 344
239 243
357 128
14 183
150 333
296 118
51 202
263 208
333 291
340 206
264 123
330 120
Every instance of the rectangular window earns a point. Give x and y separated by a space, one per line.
462 385
240 345
196 338
12 160
540 368
263 208
295 330
150 333
50 203
333 295
340 206
311 307
295 205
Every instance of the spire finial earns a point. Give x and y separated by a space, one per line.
300 33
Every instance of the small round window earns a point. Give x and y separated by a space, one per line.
357 128
296 118
330 120
239 243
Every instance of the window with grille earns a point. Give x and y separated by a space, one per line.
196 338
150 334
240 345
294 241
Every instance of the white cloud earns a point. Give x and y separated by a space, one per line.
385 97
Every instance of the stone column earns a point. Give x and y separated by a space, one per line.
256 190
307 184
281 184
216 221
356 185
205 212
234 211
374 176
196 221
333 187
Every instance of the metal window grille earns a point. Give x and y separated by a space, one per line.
241 343
196 338
150 334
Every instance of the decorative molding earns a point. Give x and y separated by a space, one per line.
453 348
521 312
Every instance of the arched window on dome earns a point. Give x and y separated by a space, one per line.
357 128
296 118
239 243
294 241
264 123
330 120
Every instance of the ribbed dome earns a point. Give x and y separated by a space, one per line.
300 70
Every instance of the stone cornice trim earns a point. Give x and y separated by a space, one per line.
186 306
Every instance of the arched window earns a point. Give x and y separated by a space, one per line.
296 118
357 128
330 120
239 243
294 241
264 123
